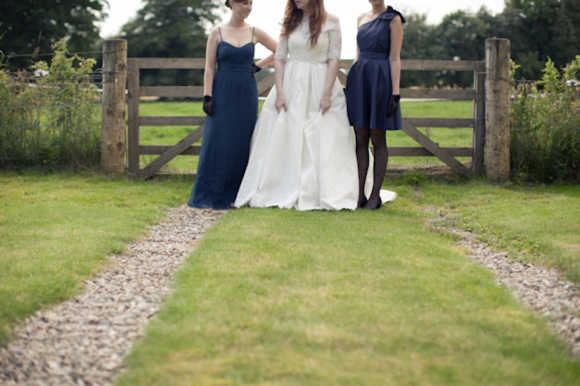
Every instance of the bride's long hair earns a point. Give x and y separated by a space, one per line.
293 17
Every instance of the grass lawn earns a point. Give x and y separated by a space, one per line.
288 297
452 137
539 224
56 230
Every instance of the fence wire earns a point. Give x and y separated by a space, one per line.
96 80
15 55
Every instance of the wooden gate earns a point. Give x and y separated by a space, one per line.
428 147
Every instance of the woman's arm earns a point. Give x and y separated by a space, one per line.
279 63
395 54
326 101
358 21
334 51
264 39
210 61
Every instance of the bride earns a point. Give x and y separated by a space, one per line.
302 151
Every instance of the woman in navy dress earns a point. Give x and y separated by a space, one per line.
231 105
372 92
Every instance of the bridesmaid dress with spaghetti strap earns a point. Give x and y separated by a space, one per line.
227 134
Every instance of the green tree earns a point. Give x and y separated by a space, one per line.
418 44
174 29
566 32
461 36
529 24
38 24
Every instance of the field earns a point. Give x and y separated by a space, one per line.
285 297
452 137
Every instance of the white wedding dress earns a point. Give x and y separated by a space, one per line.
301 158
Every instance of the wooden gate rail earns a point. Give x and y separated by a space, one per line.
447 155
429 148
135 120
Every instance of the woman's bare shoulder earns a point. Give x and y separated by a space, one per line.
332 18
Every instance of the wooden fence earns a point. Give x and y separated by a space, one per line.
428 147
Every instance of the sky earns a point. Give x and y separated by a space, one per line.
267 14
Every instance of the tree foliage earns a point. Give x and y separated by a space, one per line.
418 44
171 29
39 24
545 126
529 24
461 36
55 122
566 32
537 30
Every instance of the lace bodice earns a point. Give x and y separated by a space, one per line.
297 45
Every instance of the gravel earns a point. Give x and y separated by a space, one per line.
540 289
83 341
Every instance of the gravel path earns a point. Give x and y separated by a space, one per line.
82 341
542 290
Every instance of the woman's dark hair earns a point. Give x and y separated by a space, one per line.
229 1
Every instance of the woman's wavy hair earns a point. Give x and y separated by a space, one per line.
293 17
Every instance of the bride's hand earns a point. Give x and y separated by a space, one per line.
281 103
325 103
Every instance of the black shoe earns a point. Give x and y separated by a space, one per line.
363 202
378 204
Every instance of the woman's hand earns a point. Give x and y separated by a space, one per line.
393 105
281 103
325 103
255 69
208 106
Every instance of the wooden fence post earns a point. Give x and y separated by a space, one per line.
479 120
497 109
133 101
114 110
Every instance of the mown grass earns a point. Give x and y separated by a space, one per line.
534 223
286 297
452 137
56 230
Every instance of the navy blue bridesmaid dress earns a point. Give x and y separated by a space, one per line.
368 85
227 134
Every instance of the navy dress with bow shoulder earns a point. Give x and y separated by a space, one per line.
368 85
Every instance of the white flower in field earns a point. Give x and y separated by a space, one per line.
39 73
572 83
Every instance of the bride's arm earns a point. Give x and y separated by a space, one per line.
326 101
279 63
334 49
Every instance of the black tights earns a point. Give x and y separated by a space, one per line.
381 154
